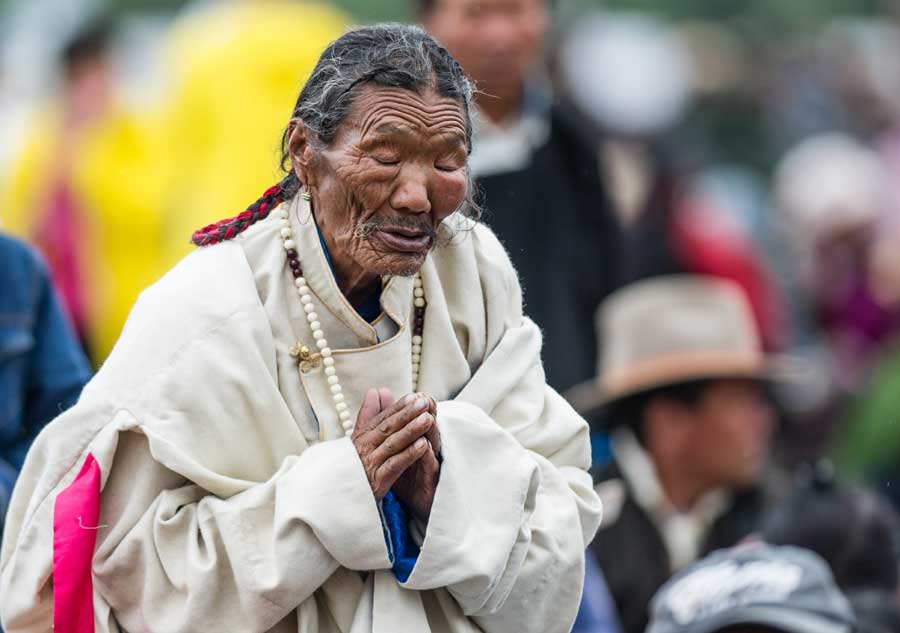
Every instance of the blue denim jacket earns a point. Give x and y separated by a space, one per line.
42 367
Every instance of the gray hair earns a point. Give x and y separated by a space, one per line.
387 55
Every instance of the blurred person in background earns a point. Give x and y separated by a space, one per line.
855 531
636 79
42 367
536 163
234 68
628 75
833 192
866 443
707 237
841 77
876 611
681 389
754 588
83 188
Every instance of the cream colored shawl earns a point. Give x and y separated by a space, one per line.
231 500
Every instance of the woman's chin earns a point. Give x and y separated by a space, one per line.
397 264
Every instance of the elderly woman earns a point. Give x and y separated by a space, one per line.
334 419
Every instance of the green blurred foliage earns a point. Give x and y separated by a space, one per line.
360 10
787 14
766 18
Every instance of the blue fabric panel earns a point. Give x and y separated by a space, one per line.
406 552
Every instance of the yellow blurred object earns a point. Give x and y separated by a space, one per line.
144 184
238 69
111 171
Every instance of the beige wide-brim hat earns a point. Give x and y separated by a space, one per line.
673 329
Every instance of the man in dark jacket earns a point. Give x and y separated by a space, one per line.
536 164
681 386
42 367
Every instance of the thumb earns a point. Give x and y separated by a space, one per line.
429 462
387 397
371 407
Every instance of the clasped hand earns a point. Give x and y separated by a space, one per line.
399 443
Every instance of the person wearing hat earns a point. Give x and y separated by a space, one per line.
681 389
753 588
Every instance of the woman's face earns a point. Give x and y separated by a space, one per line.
396 169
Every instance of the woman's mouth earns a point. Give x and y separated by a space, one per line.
404 239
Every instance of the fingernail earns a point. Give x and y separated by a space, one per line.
421 403
409 398
423 417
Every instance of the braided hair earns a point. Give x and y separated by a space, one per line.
230 227
387 55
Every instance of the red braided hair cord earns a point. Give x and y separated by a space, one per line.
230 227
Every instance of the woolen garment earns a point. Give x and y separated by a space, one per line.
632 553
231 499
42 368
554 218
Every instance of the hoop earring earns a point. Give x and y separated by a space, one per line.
305 212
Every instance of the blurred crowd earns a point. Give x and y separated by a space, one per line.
705 219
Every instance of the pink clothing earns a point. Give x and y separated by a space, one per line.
60 235
75 518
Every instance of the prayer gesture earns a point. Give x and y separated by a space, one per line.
398 443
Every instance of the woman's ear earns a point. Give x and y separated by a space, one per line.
301 152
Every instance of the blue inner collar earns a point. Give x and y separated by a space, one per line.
370 309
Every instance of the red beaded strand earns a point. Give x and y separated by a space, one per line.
231 227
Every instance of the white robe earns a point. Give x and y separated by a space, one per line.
231 501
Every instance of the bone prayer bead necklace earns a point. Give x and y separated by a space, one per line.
324 351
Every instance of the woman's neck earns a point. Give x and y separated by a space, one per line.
359 287
354 282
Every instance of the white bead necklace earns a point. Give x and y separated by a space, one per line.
315 326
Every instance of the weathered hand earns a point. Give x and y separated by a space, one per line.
391 436
416 487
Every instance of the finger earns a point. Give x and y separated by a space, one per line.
387 398
430 464
434 438
389 472
396 417
402 438
370 408
389 406
434 435
429 469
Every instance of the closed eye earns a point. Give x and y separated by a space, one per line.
451 162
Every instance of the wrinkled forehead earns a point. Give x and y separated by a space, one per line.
385 111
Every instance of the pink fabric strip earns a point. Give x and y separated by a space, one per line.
75 517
